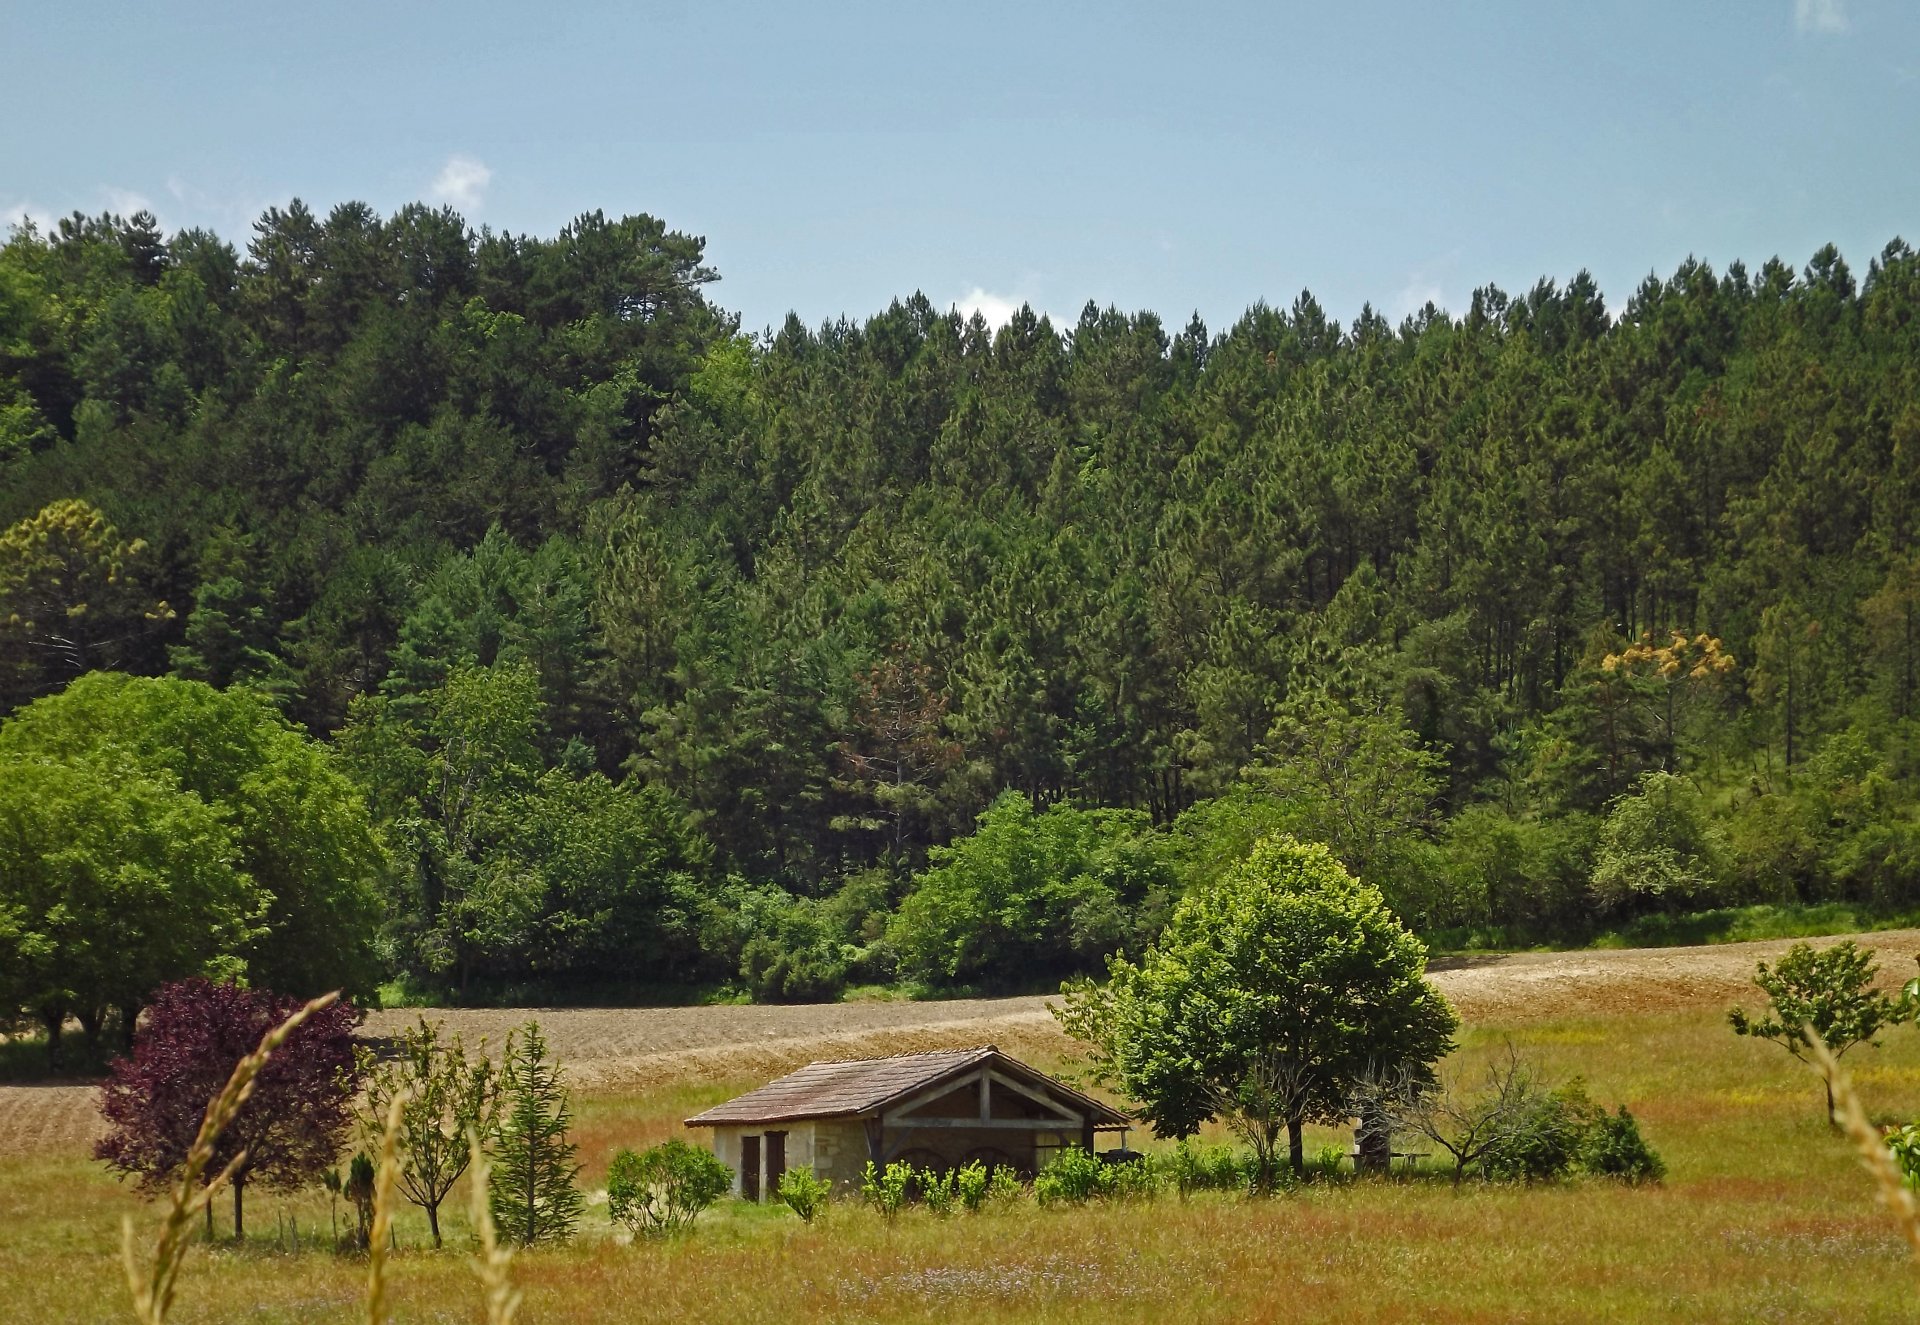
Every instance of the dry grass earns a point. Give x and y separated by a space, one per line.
1764 1216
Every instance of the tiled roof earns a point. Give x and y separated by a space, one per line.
828 1090
862 1085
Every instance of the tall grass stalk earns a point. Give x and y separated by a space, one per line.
152 1280
1866 1138
382 1231
502 1301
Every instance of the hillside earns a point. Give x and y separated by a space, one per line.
1557 607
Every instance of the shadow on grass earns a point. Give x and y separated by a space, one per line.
23 1061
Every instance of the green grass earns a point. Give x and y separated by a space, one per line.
1765 1215
1727 924
1741 924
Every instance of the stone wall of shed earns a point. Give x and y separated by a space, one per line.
839 1151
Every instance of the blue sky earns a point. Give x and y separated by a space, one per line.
1178 158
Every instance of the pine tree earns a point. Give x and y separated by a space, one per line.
533 1193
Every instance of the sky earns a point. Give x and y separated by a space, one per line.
1180 158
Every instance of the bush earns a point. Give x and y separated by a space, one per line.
804 1194
939 1190
973 1185
1073 1177
1195 1168
1614 1148
1904 1143
1546 1140
664 1188
886 1189
1004 1187
1130 1180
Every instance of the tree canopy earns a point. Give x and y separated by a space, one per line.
1273 993
298 828
807 603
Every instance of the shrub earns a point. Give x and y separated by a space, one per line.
664 1188
1130 1180
973 1185
1546 1139
939 1190
1614 1148
1073 1177
886 1189
1904 1143
1004 1187
804 1194
1195 1167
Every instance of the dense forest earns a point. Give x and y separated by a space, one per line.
654 652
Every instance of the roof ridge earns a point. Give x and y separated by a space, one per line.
895 1058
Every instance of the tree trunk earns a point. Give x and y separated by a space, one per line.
53 1017
1296 1147
239 1214
92 1019
1830 1118
129 1022
433 1222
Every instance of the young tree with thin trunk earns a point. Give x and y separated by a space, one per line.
1829 990
534 1197
446 1096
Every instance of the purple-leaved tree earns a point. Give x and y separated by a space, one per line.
292 1128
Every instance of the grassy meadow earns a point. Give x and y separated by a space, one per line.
1765 1215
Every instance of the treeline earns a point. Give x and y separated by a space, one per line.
665 653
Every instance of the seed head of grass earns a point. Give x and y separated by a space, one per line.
502 1300
1894 1193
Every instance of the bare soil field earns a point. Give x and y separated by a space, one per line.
623 1049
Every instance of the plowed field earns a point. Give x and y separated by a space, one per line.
608 1049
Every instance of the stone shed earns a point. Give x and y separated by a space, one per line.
933 1110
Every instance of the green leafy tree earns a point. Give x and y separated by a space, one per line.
1659 846
447 1096
1032 892
534 1196
112 883
299 825
1830 991
1363 784
1273 991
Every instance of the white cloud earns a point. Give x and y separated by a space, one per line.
997 309
1820 15
462 182
20 213
125 202
1415 295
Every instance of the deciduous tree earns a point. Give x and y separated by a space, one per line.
1273 991
1830 990
287 1134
